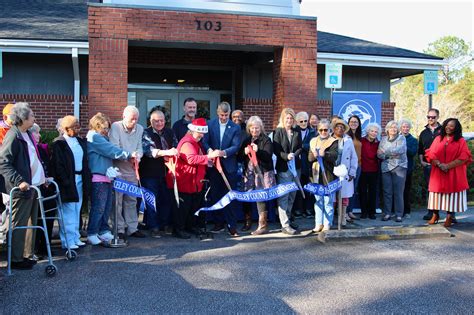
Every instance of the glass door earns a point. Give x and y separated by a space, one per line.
206 101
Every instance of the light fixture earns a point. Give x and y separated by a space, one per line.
181 81
270 61
165 80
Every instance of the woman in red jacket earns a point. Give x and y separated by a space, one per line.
190 171
449 156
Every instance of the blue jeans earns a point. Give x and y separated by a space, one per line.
101 206
323 210
69 233
161 217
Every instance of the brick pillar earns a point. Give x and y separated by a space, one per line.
294 80
108 76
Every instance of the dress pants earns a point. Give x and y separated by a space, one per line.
161 217
368 193
24 212
393 183
184 218
285 202
126 209
218 190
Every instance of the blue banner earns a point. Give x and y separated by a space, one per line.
366 105
252 196
133 190
321 190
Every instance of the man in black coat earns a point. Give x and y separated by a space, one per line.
158 143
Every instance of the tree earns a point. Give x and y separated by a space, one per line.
456 52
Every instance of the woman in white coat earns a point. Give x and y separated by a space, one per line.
346 155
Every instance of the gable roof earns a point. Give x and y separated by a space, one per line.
334 43
66 20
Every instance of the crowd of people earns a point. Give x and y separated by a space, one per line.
180 165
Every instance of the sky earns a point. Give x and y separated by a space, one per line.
403 23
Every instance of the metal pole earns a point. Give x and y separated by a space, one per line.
430 101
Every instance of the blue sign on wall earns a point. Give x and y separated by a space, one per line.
366 105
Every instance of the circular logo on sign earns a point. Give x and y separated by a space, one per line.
361 108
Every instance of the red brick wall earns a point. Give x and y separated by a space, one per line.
262 108
48 108
110 29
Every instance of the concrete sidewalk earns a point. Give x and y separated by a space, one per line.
409 228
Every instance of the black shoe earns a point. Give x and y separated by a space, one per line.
138 234
294 225
233 232
182 235
363 216
22 265
142 227
372 217
218 227
122 236
298 214
30 261
453 219
386 217
428 215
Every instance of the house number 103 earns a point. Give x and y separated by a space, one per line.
208 25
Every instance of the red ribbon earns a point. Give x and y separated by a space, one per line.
252 155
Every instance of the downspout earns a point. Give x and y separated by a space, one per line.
77 81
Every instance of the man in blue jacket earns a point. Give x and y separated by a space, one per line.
223 135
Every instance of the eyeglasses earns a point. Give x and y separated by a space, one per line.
323 130
303 121
431 117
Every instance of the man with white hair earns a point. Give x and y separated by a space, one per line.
127 134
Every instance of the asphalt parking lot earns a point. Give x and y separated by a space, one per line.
268 274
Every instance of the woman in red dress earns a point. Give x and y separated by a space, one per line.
449 156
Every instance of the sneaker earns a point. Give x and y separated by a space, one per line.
80 243
137 234
288 230
105 237
386 217
72 246
407 216
155 233
94 239
398 219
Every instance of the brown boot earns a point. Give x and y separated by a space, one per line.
434 217
248 221
449 220
262 224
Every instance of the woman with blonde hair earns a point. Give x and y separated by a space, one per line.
325 147
287 146
101 152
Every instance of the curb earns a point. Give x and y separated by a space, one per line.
388 233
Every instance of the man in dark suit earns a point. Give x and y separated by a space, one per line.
223 135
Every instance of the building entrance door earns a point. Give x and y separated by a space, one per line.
172 101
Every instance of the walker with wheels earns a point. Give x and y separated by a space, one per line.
50 269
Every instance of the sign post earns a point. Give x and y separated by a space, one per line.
430 79
333 78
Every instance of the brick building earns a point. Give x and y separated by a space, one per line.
74 57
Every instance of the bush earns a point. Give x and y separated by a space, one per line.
47 136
